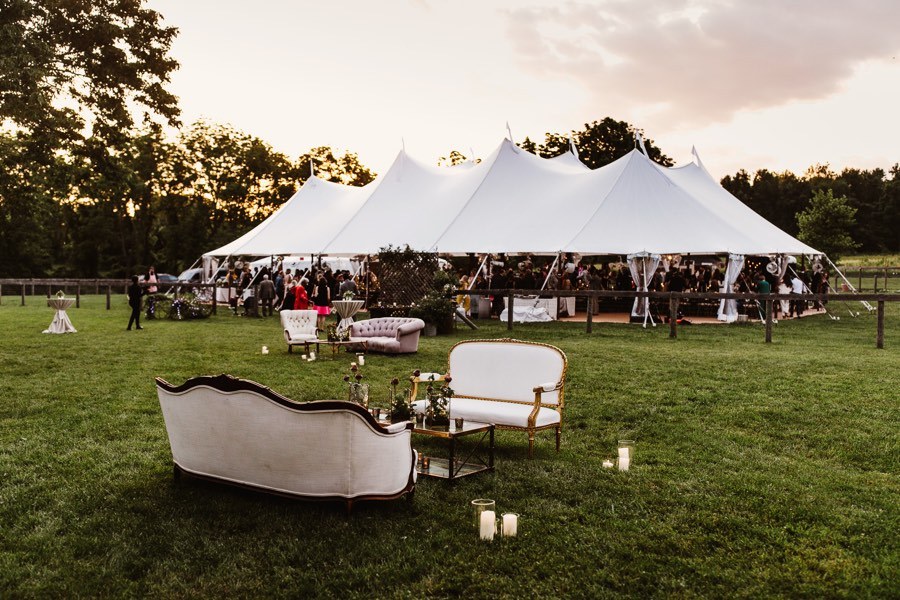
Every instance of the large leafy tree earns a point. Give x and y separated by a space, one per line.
74 65
237 178
345 168
826 224
598 144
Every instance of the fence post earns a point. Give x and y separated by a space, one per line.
879 336
859 287
214 294
673 317
78 296
590 313
769 320
23 293
875 287
509 312
108 293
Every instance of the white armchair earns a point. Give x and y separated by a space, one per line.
299 327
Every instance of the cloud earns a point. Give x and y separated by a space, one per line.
691 62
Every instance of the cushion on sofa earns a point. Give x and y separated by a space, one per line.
497 413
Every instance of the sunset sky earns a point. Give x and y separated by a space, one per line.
770 84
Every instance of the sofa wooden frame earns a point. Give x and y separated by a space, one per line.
228 384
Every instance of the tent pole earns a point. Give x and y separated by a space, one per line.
550 270
868 306
478 272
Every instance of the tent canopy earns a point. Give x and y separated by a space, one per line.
515 202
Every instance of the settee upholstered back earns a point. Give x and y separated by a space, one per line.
506 370
244 433
385 327
299 322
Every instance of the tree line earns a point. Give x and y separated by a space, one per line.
92 185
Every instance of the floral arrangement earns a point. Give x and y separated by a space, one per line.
60 294
348 295
437 413
334 335
358 392
401 403
183 308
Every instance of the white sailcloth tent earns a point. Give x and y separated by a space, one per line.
304 224
515 202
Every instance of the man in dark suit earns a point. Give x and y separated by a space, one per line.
135 292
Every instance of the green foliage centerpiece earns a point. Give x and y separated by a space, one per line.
437 413
401 403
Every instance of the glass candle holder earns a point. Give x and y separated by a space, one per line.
426 463
458 421
479 505
625 455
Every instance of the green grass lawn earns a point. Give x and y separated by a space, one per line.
759 470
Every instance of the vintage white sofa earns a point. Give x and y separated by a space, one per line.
513 384
391 335
242 433
299 327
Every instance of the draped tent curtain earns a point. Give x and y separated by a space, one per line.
642 267
728 308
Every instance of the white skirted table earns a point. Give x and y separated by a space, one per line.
346 309
61 322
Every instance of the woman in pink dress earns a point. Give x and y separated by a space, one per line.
321 297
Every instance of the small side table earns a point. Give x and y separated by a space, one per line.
452 468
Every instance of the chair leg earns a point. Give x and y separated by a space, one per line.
290 349
530 444
558 434
349 507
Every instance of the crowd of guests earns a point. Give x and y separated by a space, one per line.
281 289
689 276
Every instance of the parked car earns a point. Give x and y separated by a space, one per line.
165 281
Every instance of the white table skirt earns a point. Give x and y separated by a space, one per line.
527 314
61 322
548 304
346 309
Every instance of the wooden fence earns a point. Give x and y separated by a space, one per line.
675 298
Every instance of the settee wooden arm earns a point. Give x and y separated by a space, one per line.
415 380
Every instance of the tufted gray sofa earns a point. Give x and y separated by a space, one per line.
392 335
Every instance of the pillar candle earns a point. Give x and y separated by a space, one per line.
487 525
510 525
624 459
362 360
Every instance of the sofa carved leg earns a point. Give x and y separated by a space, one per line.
176 473
530 444
558 435
290 349
349 507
